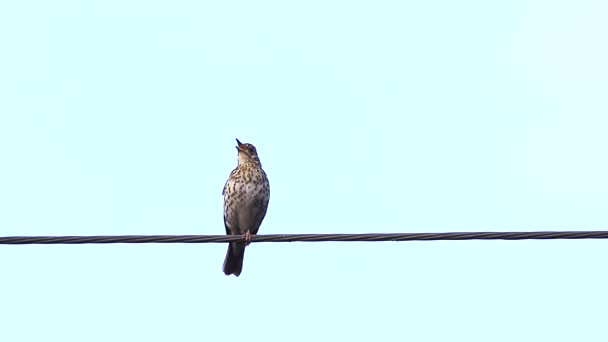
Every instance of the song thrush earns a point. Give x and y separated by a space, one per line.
246 196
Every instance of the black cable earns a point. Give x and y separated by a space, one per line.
28 240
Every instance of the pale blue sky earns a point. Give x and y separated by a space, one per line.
119 117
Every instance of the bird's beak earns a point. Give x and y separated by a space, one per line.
239 145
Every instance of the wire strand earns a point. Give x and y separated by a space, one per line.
547 235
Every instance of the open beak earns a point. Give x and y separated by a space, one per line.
239 146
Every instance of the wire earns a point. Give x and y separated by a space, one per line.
28 240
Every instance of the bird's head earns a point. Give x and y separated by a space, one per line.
247 153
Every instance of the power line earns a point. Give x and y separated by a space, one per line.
550 235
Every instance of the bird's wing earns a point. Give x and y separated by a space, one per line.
225 199
226 225
228 180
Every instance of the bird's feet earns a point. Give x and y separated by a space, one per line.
248 238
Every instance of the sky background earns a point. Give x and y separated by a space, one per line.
119 117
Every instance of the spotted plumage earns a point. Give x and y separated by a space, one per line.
246 196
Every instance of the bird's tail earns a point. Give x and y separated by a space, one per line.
233 264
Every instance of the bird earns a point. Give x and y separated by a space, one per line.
246 196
